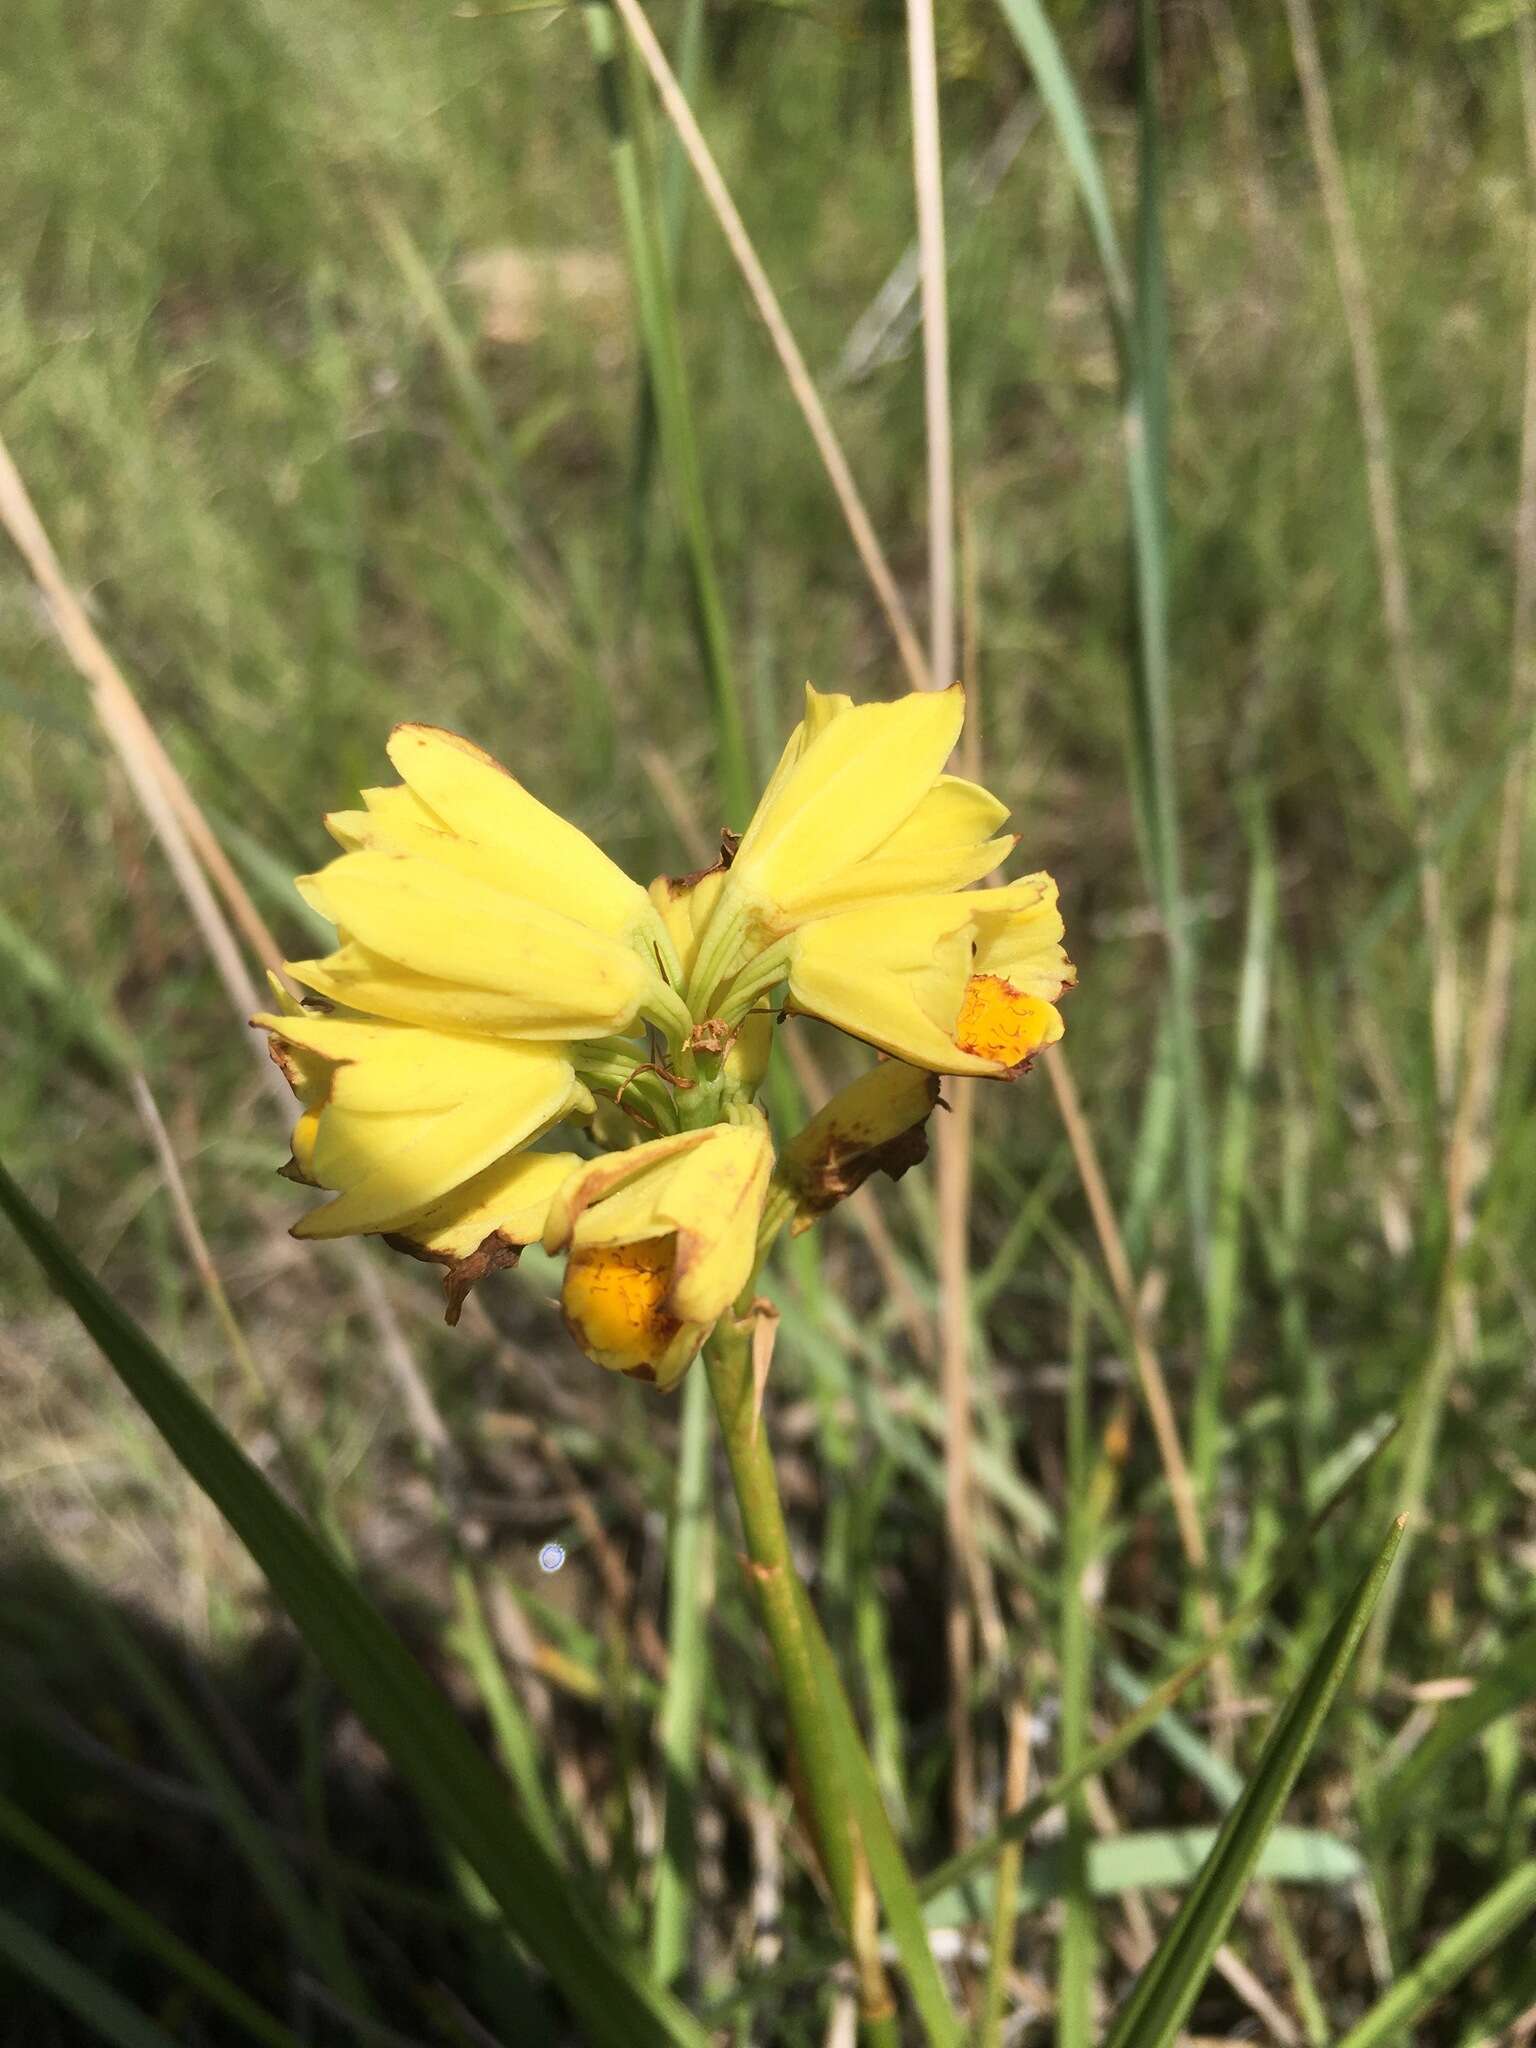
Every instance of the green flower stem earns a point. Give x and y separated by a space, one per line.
729 1365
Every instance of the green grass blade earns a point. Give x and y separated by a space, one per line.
1169 1858
1042 53
690 1565
516 1740
1427 1981
1156 1702
1224 1264
1168 1987
656 305
1202 1763
87 1020
432 1752
1500 1691
141 1928
1139 318
1157 1138
888 1866
108 2015
1152 723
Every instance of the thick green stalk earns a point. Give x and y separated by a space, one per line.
729 1365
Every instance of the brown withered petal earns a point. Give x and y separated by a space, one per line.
494 1254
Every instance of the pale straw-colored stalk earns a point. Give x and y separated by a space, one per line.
954 1136
1386 532
1489 1026
721 204
186 838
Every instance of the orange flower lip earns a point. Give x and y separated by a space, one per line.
1000 1022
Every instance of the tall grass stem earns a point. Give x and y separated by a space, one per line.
721 204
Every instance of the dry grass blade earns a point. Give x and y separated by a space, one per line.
1149 1371
196 1244
933 271
186 837
144 762
1148 1367
954 1138
1469 1145
1386 530
144 758
721 204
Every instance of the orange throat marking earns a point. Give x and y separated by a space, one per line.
1000 1022
614 1302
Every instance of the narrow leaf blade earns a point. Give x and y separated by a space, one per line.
1169 1985
455 1783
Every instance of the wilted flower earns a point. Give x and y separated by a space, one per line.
877 1124
497 975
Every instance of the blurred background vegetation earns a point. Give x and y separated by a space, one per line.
317 351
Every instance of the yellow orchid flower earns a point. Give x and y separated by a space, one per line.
496 973
962 984
661 1240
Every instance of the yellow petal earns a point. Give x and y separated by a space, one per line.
947 843
599 1179
555 863
388 1068
363 980
1018 936
716 1197
685 904
510 1199
482 1227
450 927
394 809
893 974
852 784
305 1131
460 1106
820 710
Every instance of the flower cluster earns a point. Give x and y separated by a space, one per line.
498 976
